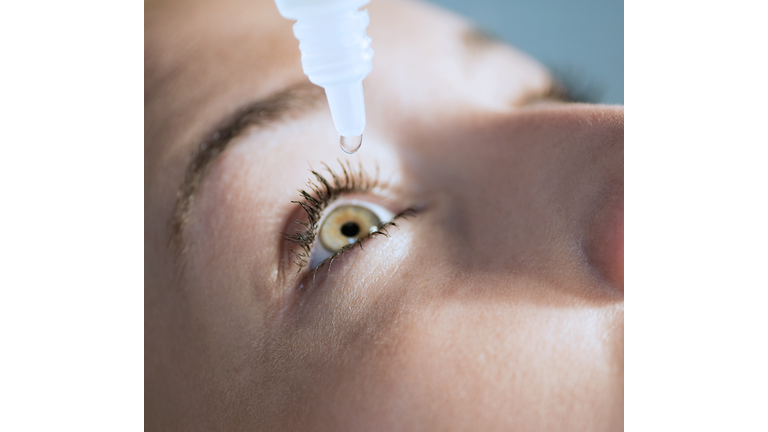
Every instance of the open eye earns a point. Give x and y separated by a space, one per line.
345 224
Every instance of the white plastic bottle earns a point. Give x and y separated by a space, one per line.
336 55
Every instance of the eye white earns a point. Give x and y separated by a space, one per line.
320 253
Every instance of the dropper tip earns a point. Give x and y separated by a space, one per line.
350 144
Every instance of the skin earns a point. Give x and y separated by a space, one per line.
497 306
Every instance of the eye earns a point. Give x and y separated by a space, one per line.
344 225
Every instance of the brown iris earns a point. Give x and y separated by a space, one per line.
345 225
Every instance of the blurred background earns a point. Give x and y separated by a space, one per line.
581 41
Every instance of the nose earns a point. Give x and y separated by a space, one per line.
539 190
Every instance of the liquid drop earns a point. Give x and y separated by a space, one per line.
351 144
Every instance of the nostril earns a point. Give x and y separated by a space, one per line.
608 246
616 259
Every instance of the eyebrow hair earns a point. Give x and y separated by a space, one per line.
477 39
290 102
555 91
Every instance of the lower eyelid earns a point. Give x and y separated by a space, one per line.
292 253
327 265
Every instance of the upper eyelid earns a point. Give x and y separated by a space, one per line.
555 91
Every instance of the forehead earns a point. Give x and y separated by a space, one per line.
195 48
205 57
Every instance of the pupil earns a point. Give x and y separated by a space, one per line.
350 229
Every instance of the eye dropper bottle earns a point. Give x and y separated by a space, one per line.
336 55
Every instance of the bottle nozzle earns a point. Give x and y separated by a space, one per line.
347 109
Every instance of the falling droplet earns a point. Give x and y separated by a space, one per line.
351 144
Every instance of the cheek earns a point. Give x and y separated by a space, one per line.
488 364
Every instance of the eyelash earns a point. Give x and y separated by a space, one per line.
574 86
319 194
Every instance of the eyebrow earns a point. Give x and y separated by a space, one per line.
287 103
477 40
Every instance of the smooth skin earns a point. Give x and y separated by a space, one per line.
497 306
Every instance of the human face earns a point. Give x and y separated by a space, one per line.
497 305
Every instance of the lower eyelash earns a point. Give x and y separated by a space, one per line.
381 229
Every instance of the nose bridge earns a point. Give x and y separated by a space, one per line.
518 190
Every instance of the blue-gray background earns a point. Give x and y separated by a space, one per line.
581 40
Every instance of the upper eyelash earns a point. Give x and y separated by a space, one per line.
318 195
570 85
